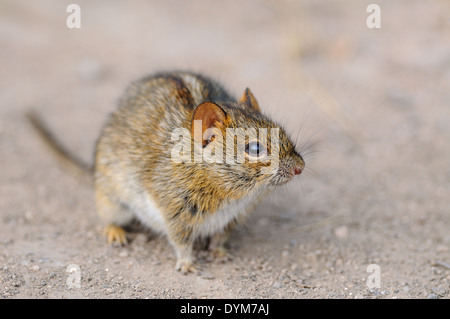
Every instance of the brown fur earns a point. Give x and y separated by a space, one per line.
133 160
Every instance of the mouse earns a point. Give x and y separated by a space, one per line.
186 159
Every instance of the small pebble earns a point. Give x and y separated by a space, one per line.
109 290
432 296
35 268
277 284
341 232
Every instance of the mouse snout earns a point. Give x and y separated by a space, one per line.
298 166
297 170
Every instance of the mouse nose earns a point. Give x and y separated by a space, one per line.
297 170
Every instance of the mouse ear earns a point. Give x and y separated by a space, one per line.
211 116
248 99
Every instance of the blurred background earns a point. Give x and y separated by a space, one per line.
370 108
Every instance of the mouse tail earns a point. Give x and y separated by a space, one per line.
65 157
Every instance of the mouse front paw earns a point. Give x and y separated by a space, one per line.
186 266
115 234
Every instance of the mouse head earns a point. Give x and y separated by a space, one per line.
239 143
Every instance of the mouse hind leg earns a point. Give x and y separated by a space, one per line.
114 216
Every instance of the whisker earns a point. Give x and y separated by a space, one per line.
313 172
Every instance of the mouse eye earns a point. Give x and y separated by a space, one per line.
254 148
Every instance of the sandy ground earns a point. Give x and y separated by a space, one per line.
372 104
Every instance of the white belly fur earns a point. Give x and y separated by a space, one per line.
216 222
151 216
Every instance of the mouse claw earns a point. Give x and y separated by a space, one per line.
186 266
115 234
